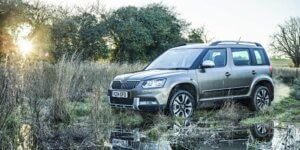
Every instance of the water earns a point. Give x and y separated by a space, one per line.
195 135
190 135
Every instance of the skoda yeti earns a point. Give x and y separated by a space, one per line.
183 77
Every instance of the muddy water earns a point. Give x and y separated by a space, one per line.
195 136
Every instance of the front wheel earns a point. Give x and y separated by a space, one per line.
182 104
260 98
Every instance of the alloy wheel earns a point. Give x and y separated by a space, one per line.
182 105
262 98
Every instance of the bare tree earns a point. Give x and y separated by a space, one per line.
287 40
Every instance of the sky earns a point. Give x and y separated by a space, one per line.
252 20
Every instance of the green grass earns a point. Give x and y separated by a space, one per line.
127 118
287 110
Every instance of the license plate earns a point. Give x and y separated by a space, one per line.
119 94
121 143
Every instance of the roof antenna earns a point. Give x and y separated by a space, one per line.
239 40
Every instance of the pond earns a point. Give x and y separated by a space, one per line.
205 136
179 135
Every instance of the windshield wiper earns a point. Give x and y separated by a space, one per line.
178 68
157 69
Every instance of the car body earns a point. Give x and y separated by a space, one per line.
185 76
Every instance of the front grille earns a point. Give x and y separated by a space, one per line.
123 101
126 85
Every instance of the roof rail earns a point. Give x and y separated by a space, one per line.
235 42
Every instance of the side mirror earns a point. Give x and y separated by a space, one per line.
208 64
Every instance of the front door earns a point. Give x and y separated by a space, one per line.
211 80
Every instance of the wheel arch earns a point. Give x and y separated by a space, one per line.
188 86
267 81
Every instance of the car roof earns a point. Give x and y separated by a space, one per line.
221 44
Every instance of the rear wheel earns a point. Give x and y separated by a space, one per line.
182 104
262 132
260 98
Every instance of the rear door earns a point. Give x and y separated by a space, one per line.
243 72
261 62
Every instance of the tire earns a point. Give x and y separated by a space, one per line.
260 98
182 104
262 132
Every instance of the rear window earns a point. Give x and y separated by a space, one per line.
260 57
241 57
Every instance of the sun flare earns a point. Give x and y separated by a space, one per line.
22 33
25 46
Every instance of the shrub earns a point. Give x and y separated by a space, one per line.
286 74
295 93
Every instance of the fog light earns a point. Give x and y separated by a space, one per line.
148 103
108 98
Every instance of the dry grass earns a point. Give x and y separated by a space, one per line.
286 74
45 96
10 92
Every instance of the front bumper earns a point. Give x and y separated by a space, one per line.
147 100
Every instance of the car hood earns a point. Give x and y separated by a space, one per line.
149 74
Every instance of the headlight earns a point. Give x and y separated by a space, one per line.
154 83
110 85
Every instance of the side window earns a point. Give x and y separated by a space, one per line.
241 57
259 57
218 56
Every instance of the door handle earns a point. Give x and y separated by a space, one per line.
253 72
227 74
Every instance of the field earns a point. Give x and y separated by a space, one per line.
281 62
64 105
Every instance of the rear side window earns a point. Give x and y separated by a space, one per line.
218 56
260 57
241 57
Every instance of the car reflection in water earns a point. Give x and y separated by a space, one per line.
188 135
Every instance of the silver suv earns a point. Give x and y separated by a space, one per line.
183 77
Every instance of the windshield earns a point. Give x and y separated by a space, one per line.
175 59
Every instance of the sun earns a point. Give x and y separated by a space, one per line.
24 46
21 40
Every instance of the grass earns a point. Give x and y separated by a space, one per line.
287 110
281 62
284 71
51 97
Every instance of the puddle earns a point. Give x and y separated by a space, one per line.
194 135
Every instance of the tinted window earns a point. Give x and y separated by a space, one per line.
241 57
260 57
218 56
175 58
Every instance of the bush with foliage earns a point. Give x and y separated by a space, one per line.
82 34
296 89
143 33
